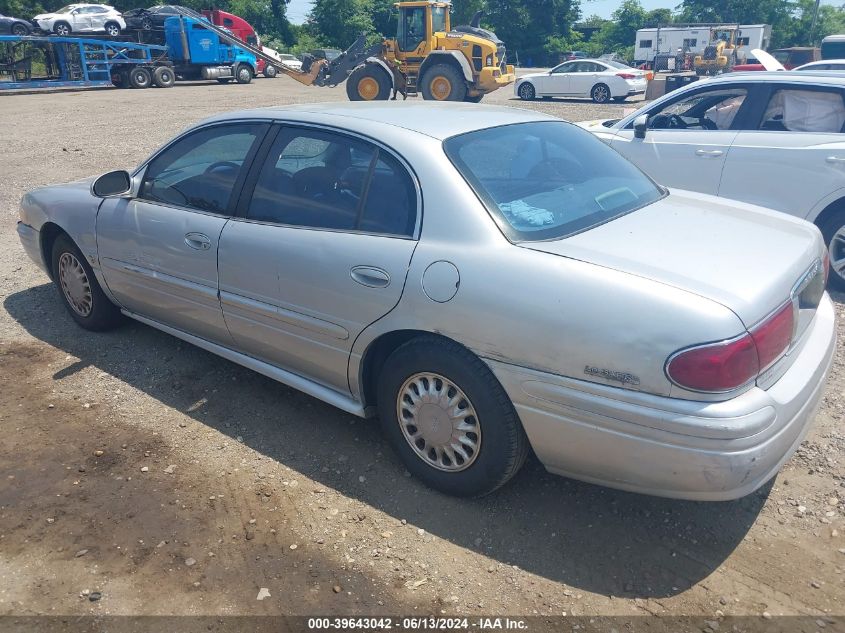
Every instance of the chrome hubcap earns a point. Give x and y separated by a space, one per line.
836 248
75 284
526 91
438 422
601 94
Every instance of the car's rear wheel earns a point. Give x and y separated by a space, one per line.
19 29
146 24
79 290
448 418
527 92
833 230
61 28
600 93
112 29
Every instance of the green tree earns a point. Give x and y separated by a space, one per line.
338 23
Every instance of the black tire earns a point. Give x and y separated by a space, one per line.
526 91
243 73
19 29
164 77
140 77
443 82
368 83
475 99
833 225
112 29
600 93
62 28
146 24
102 314
270 71
120 78
502 443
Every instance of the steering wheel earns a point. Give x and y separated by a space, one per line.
667 122
219 165
707 124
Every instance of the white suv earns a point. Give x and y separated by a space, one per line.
776 139
82 18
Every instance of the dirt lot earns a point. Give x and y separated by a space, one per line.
163 480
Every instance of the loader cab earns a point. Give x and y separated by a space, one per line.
418 21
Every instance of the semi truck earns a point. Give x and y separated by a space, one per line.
198 52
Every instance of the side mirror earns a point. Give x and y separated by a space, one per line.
640 126
112 185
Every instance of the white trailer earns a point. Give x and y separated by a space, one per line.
693 38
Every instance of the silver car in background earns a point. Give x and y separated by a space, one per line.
486 280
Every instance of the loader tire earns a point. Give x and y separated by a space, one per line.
368 83
443 82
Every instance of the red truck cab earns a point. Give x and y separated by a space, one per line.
789 57
239 27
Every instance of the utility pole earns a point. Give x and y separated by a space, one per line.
813 25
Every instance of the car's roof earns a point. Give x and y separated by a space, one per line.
819 62
437 120
804 76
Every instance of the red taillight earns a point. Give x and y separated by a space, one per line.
726 365
773 335
715 367
626 75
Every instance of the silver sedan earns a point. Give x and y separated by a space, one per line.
486 280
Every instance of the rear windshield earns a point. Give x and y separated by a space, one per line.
548 180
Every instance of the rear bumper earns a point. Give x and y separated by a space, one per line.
708 451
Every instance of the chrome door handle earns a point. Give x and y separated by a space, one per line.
835 159
709 153
370 276
198 241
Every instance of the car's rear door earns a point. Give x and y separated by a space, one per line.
98 15
689 137
794 155
320 249
586 76
158 251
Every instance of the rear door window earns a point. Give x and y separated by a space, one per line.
801 110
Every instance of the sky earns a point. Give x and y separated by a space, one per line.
298 9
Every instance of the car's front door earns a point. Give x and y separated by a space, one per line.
158 251
80 19
557 81
795 154
320 250
688 139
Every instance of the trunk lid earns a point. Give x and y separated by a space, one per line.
747 258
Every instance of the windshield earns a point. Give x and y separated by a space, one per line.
548 180
66 9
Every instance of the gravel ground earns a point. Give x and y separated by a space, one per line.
141 475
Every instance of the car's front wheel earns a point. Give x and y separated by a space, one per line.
61 28
833 230
448 418
527 92
270 71
79 290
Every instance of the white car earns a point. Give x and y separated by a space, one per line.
824 64
601 80
290 61
81 18
774 139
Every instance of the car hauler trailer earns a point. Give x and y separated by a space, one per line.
32 61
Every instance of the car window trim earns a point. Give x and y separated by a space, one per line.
236 188
282 126
740 115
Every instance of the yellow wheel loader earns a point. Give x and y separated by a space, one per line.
720 54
